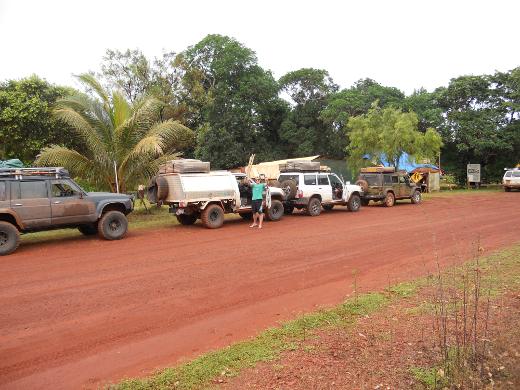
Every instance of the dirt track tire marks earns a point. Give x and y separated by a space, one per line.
83 311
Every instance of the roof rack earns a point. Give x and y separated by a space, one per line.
18 173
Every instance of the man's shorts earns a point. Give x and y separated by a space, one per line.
257 206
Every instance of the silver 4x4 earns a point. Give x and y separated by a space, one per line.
312 190
36 199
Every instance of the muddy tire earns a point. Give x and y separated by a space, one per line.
288 209
113 225
162 188
328 207
276 211
247 216
363 184
354 203
314 207
187 219
389 200
365 202
88 230
289 188
213 216
416 197
9 238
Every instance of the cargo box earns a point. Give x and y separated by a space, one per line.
377 170
185 166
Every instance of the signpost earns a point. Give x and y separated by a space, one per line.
473 171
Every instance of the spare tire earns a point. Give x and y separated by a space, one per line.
276 211
289 188
162 187
151 191
363 184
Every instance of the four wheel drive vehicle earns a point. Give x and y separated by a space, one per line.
35 199
311 190
511 179
387 186
208 196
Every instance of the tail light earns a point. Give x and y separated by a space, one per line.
299 194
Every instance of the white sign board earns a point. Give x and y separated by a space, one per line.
474 173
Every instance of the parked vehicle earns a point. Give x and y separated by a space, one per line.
36 199
209 195
313 189
511 179
386 185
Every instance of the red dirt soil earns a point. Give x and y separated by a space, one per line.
82 312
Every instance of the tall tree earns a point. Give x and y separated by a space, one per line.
303 130
114 131
388 133
231 101
26 124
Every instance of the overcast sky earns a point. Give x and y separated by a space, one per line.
406 44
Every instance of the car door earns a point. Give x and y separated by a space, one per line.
404 186
310 185
4 195
30 200
68 205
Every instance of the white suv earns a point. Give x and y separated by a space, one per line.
312 190
511 179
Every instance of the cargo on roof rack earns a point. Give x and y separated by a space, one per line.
18 173
300 166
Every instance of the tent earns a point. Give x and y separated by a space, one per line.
271 169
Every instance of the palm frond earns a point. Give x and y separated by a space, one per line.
91 82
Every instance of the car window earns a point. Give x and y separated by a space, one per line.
282 178
508 174
402 180
3 195
62 188
309 180
387 179
395 180
516 174
323 180
29 190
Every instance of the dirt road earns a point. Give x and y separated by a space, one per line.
82 312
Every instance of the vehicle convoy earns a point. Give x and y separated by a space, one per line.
511 179
386 185
308 186
194 192
36 199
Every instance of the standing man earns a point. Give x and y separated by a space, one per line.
257 200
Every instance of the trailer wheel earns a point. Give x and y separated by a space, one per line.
213 216
246 216
187 219
276 211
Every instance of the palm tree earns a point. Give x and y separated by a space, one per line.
114 131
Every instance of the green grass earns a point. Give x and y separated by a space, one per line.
500 269
463 191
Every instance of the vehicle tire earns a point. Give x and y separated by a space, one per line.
363 184
288 209
314 207
88 230
328 207
274 183
289 188
9 238
389 200
365 202
507 189
213 216
354 203
416 197
112 225
187 219
151 191
247 216
162 188
276 211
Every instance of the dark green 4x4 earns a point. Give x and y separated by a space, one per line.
35 199
387 187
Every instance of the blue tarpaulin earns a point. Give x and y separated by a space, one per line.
406 163
13 163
